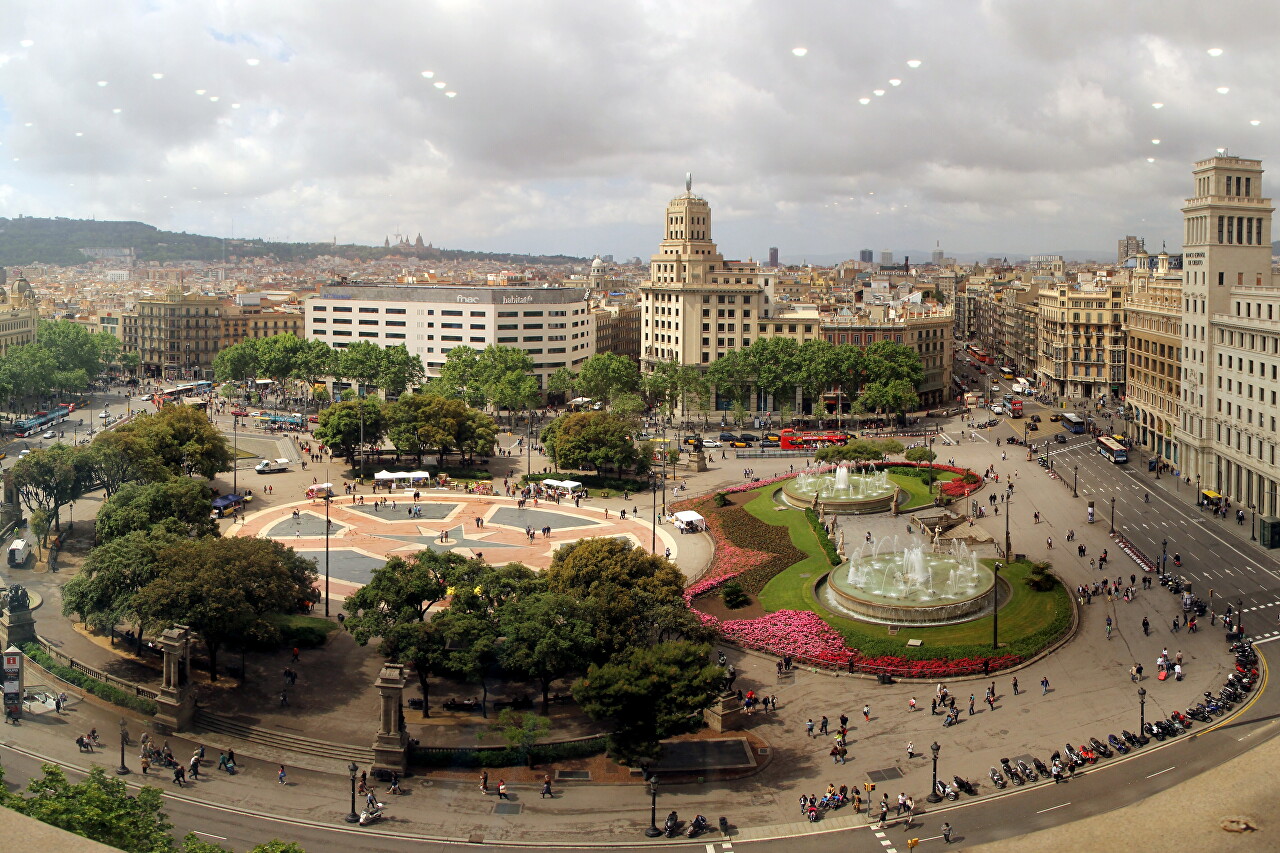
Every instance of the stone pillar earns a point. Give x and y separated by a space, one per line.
17 625
391 746
176 702
725 715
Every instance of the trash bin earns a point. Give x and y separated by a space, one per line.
884 678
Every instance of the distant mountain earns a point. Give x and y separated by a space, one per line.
69 242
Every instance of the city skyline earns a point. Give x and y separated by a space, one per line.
992 128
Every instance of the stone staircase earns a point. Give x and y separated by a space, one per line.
276 746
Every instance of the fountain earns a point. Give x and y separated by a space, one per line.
838 490
910 584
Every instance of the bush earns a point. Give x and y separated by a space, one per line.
903 471
305 632
815 524
1039 579
543 753
734 596
101 689
720 499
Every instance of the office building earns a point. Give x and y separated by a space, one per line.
773 256
1081 340
176 335
866 256
1153 326
1128 247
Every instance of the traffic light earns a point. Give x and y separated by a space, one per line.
1211 593
869 786
913 843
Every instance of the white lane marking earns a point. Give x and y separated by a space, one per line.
1158 772
208 835
1051 808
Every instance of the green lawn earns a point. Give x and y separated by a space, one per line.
1024 614
918 489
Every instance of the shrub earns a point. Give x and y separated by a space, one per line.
101 689
815 524
1039 579
734 597
720 499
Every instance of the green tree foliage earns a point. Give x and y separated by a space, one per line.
277 357
458 377
732 375
646 694
115 458
858 450
340 425
605 375
562 382
429 423
227 589
362 363
192 844
181 505
776 363
548 637
895 396
51 478
602 440
522 730
102 593
99 808
237 362
399 370
28 370
620 586
184 440
72 346
920 454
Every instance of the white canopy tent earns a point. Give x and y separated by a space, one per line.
690 520
385 475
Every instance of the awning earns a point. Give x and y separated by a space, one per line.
570 485
418 475
385 475
224 501
689 516
553 484
1211 495
579 401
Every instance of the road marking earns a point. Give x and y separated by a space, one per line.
1158 772
224 838
1060 805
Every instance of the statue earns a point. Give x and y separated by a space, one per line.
17 599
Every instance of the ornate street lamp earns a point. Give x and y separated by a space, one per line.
653 831
352 817
122 770
933 791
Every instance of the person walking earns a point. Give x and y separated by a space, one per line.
946 832
1044 686
195 767
971 701
280 776
179 776
546 787
866 713
1146 626
911 749
1133 673
1015 685
911 704
808 727
822 726
502 789
484 781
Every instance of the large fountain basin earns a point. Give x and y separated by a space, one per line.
938 590
840 491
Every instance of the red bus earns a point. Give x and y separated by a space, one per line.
791 439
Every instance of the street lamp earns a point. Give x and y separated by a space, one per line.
1008 548
122 770
1142 711
1197 495
933 791
653 487
1075 482
1253 518
653 831
1164 554
995 602
352 817
1113 515
235 453
326 545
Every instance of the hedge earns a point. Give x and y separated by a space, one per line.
101 689
541 753
815 524
305 632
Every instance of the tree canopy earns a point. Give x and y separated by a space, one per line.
598 439
184 440
180 505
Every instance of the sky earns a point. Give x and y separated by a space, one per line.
1002 127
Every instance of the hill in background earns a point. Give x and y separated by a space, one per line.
31 240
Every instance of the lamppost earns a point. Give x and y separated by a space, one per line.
653 831
235 454
1075 482
995 603
653 487
326 545
1008 548
1164 554
360 401
933 791
122 770
1113 515
352 817
1253 518
1197 490
1142 711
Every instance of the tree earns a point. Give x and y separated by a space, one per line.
562 382
473 646
817 370
548 637
458 377
315 360
102 594
28 370
399 370
181 505
226 589
237 362
776 362
922 454
628 406
504 375
71 345
192 844
599 439
394 606
522 730
858 450
341 425
99 808
184 440
277 356
605 375
51 478
732 375
115 458
889 360
647 694
662 385
894 396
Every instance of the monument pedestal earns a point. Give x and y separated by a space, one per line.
17 628
725 715
175 706
391 745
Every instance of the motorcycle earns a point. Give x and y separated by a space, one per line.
1168 728
996 778
1099 747
1088 754
1180 719
672 826
966 786
945 791
371 815
1073 757
1040 767
1013 775
1026 771
698 826
1118 745
1133 740
1199 712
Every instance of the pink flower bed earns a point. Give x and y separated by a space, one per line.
799 633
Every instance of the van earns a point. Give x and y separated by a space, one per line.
19 550
272 466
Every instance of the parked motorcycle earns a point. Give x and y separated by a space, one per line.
996 778
1026 771
1099 747
1013 774
1118 745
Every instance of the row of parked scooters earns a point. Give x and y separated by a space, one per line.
1234 691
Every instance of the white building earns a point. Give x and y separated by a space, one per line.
554 325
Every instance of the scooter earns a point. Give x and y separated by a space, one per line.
371 815
1118 745
1073 756
1099 747
997 779
1013 775
1180 719
1027 772
942 789
698 826
966 786
672 826
1040 767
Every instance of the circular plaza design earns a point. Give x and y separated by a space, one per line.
363 536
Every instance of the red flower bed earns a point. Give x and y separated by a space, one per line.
939 668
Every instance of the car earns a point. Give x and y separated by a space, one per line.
1061 438
728 436
772 436
50 434
691 440
315 419
104 414
739 443
710 442
1055 418
746 436
25 453
1035 419
1032 426
146 398
239 413
770 443
257 414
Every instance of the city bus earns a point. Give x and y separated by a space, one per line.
792 439
40 421
1073 422
1112 450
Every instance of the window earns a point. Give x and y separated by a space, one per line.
533 313
457 338
346 320
368 310
451 325
368 334
319 308
397 335
395 310
508 313
448 313
507 340
344 309
395 322
368 322
477 313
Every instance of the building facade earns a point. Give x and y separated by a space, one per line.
19 315
927 329
176 335
1081 341
1230 336
554 326
1153 325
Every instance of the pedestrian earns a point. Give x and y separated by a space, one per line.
281 774
866 713
57 704
1044 686
546 787
296 659
902 803
884 809
911 704
822 726
933 706
1015 685
844 721
1178 657
284 698
809 727
484 781
1133 673
502 789
911 749
1146 626
195 767
910 809
971 700
179 776
146 763
946 832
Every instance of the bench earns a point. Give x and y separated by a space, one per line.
461 705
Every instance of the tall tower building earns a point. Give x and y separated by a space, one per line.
1230 355
696 306
773 256
886 257
866 256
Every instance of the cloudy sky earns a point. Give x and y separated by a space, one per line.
566 125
